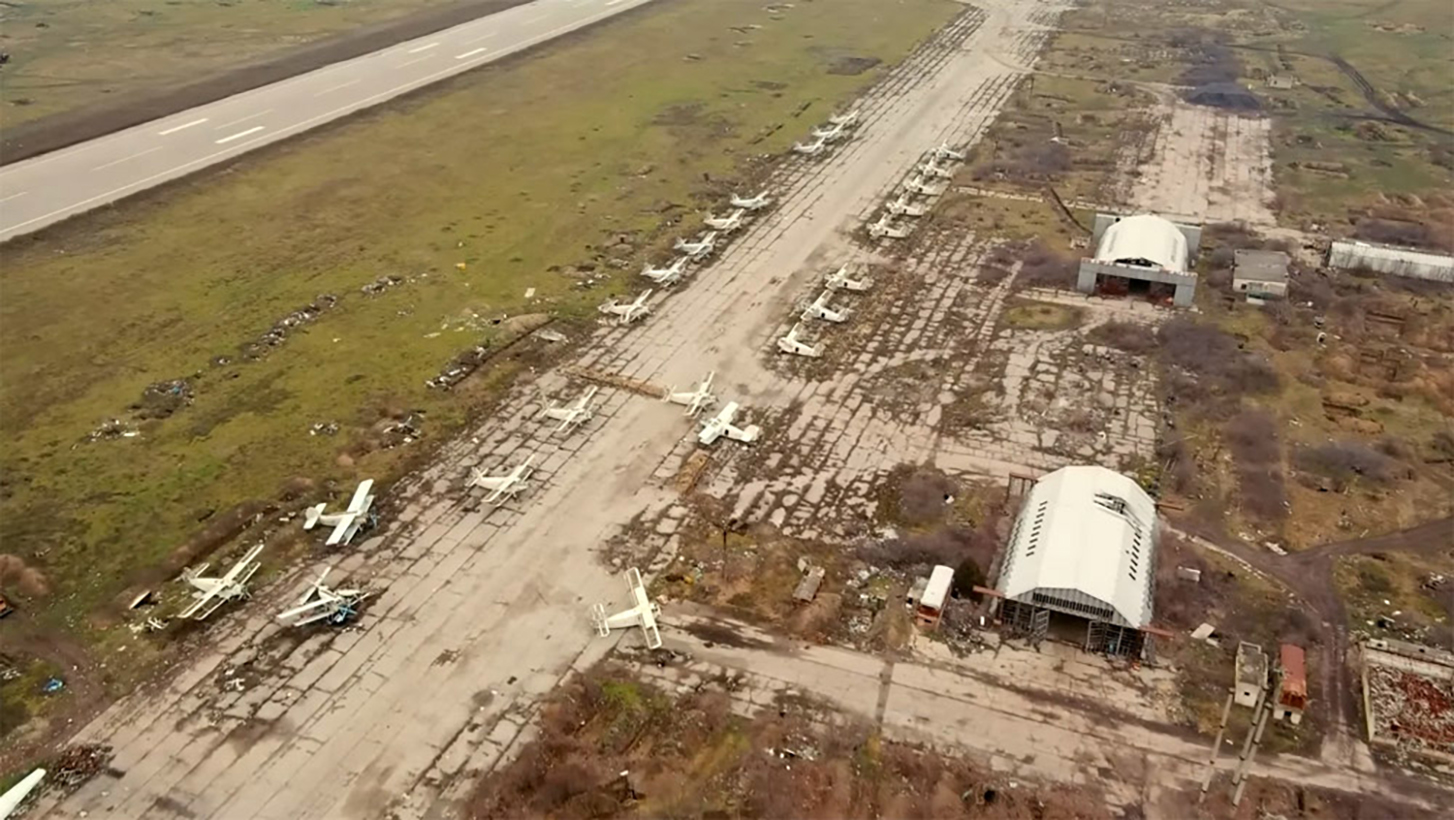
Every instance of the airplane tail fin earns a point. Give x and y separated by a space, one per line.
311 516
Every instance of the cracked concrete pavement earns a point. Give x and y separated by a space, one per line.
483 611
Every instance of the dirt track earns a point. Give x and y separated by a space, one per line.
71 127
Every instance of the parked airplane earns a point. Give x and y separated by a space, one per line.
830 134
15 795
573 415
882 229
918 185
811 149
643 613
700 248
848 120
932 169
211 593
839 280
820 309
751 203
503 487
629 312
347 523
320 603
728 223
695 400
667 275
903 206
947 153
792 344
721 425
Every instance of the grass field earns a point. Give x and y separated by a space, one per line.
65 54
516 172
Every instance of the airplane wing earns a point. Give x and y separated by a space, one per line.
310 608
490 483
206 599
243 569
360 496
343 530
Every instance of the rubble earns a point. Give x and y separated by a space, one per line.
459 368
110 429
280 330
77 764
380 285
323 428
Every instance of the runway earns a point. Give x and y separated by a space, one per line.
49 188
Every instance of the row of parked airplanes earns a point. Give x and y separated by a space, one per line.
835 129
927 181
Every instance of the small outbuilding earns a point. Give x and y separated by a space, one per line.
1292 684
936 593
1260 274
1251 674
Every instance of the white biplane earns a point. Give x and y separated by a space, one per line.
503 487
721 425
668 275
643 613
728 223
903 206
820 309
883 229
847 120
694 400
932 169
945 152
811 149
347 523
751 203
322 603
796 346
700 248
830 134
211 593
916 184
627 312
573 415
838 280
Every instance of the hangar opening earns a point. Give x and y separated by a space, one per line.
1144 255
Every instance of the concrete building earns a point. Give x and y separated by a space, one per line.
1292 684
1145 254
1251 674
1080 562
1260 274
1415 264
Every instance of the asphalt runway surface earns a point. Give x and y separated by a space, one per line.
49 188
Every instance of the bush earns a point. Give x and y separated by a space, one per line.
1251 435
949 546
922 496
1345 462
1128 336
1043 267
1209 370
967 576
1413 234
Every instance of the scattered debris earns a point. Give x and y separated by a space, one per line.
323 428
77 764
551 335
280 330
109 430
380 285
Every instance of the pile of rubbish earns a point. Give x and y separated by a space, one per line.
403 431
278 333
77 764
108 430
459 368
380 285
323 428
161 399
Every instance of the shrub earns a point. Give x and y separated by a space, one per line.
1251 435
1044 267
1344 462
1390 232
1210 370
1128 336
922 496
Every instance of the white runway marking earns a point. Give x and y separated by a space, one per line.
252 116
174 129
127 159
537 18
469 54
9 197
423 48
241 134
408 63
338 87
485 36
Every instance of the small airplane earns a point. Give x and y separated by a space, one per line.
916 184
699 249
721 425
728 223
792 344
15 795
668 275
694 400
839 280
847 120
882 229
930 168
574 415
347 523
643 613
211 593
811 149
629 312
320 603
904 207
503 487
751 203
830 134
820 309
948 153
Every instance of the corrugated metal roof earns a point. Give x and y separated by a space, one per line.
1145 240
1366 250
936 592
1260 266
1294 665
1086 531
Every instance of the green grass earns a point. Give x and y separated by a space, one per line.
514 170
67 54
1027 314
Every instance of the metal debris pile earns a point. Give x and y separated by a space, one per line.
280 330
323 428
403 431
380 285
459 368
77 764
110 429
1412 708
